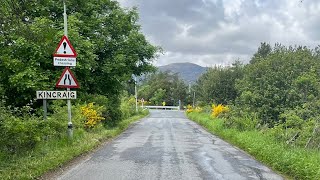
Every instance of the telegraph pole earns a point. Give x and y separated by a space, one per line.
136 92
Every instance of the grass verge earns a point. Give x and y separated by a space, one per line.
52 154
297 163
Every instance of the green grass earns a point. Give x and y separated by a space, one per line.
296 163
54 153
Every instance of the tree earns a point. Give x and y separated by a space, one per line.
284 79
263 51
163 86
106 37
217 85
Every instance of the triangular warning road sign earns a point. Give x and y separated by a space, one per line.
67 80
65 49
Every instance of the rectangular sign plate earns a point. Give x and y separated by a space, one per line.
56 94
64 61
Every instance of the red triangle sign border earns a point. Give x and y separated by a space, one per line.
67 86
71 47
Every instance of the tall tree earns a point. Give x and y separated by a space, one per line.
106 37
217 85
263 51
163 86
284 79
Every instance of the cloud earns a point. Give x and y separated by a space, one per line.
217 32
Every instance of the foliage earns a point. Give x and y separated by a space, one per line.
92 114
277 93
284 79
217 85
54 152
299 126
128 106
19 135
163 87
241 120
198 109
218 109
263 51
189 108
106 37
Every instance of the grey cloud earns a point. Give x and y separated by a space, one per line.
219 31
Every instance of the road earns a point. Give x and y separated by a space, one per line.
167 145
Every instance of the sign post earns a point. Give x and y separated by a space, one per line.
44 109
67 80
65 55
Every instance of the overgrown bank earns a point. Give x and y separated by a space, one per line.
295 162
38 154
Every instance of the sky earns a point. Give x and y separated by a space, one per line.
218 32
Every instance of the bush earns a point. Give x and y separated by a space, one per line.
219 109
128 106
189 108
92 115
98 100
23 133
241 120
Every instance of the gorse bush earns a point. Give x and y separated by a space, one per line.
189 108
218 110
92 115
196 109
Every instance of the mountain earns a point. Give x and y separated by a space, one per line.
189 72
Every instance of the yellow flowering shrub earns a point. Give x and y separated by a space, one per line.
217 110
92 116
189 108
198 109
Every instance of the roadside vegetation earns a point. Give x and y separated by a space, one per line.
269 107
167 87
111 50
30 146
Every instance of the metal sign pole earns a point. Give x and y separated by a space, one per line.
65 22
45 109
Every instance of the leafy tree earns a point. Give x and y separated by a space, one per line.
158 96
106 37
163 86
263 51
217 85
284 79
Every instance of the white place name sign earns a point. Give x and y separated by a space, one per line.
56 94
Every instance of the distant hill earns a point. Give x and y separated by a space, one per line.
189 72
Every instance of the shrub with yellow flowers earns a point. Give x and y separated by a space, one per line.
198 109
189 108
90 112
218 109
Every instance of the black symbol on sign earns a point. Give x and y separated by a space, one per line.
64 47
67 77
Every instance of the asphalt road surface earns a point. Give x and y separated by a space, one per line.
167 145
